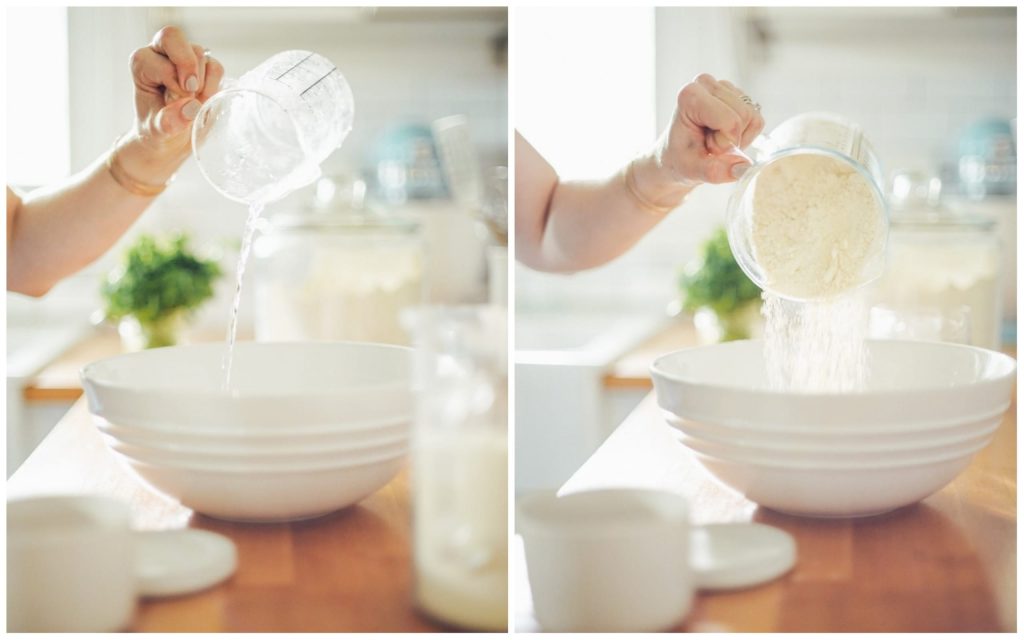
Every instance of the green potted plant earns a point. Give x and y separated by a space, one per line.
158 286
724 301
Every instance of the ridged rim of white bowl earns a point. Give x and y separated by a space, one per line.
257 450
657 370
253 432
90 377
837 435
841 456
288 470
260 456
833 466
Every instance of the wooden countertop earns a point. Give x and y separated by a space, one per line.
633 370
59 381
946 564
349 571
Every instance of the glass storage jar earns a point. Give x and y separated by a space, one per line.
335 276
460 465
943 272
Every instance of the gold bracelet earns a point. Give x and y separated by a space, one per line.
629 177
130 184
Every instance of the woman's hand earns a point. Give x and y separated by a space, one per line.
712 120
172 77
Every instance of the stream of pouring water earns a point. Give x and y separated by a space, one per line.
255 209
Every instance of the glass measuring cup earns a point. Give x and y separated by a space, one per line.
266 134
821 135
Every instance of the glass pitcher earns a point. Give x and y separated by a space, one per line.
460 465
266 134
809 134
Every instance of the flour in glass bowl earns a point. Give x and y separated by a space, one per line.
817 232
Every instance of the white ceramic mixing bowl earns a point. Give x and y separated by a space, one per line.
912 385
274 386
866 437
265 461
927 409
267 449
826 491
268 496
261 443
836 459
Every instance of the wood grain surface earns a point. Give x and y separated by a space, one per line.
349 571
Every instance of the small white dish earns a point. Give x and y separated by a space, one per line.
739 555
172 563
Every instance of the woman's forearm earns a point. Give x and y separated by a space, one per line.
56 231
570 226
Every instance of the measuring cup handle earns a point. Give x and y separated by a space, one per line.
758 150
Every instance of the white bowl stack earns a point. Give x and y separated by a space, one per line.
927 409
306 428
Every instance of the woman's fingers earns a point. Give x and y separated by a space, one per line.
214 74
153 72
200 54
700 109
727 167
755 123
176 117
171 42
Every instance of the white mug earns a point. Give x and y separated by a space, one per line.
612 560
70 565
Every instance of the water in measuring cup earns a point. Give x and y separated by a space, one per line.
267 133
243 258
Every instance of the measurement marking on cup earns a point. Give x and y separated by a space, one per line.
291 68
322 78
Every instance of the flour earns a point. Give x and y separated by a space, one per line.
816 232
816 346
815 226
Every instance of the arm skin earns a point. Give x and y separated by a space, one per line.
570 226
53 232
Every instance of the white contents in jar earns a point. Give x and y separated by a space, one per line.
460 506
353 293
816 226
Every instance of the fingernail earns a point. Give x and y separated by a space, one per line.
192 84
738 170
190 109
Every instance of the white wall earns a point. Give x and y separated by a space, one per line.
913 78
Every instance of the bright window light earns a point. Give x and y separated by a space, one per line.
584 92
38 143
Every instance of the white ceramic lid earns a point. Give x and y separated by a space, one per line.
173 563
739 555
